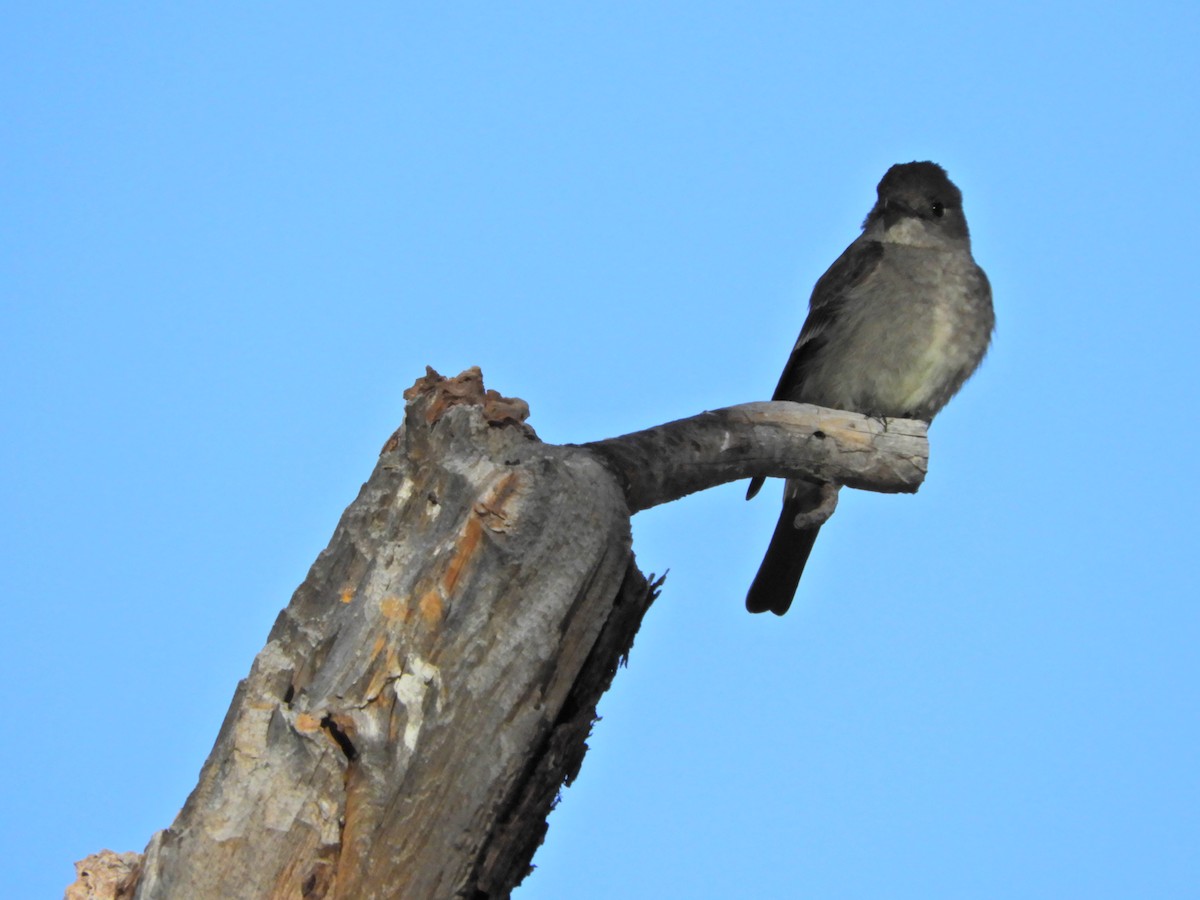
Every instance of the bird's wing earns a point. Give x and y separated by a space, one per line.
848 272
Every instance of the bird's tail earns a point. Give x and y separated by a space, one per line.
775 584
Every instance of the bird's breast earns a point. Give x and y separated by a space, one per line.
907 338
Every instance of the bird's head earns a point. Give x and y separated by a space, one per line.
918 205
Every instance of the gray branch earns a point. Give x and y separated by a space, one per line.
777 439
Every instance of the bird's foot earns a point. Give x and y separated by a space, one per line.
819 515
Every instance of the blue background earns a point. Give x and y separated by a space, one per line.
233 234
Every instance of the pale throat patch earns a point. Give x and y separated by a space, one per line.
912 232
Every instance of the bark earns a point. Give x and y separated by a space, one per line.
776 439
432 683
105 876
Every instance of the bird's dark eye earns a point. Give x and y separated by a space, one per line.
938 208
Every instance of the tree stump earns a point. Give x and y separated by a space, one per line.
432 683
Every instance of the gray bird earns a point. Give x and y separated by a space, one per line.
894 328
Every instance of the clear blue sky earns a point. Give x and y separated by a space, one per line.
233 234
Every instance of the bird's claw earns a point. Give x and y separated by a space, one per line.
819 515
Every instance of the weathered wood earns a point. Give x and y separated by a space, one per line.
105 876
776 439
432 683
414 696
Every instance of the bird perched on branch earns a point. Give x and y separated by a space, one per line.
895 327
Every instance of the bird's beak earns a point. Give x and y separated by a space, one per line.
895 209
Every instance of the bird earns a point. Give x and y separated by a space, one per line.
895 327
